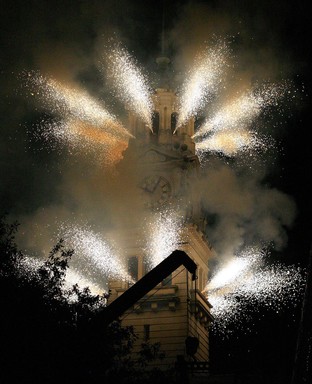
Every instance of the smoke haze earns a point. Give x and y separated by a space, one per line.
42 187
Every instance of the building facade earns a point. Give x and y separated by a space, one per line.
175 314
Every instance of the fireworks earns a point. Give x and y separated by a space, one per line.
231 143
94 257
83 122
248 281
163 238
86 124
74 276
230 272
28 268
203 82
227 131
74 104
132 87
241 112
77 135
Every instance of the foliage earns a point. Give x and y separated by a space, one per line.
8 249
48 333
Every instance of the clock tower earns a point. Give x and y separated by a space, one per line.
167 164
175 314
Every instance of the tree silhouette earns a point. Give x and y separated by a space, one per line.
47 331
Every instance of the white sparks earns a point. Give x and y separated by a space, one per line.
94 257
164 237
74 276
82 123
132 87
248 280
85 123
230 143
230 272
74 104
226 132
77 135
236 114
203 81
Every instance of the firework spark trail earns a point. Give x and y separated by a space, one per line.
164 237
203 81
83 123
230 143
248 279
106 148
73 103
242 111
132 87
226 131
236 114
74 276
93 255
231 271
28 267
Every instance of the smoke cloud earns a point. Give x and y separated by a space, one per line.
42 187
242 211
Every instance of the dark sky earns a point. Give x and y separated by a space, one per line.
40 185
64 39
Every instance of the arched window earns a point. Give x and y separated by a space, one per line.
174 118
133 269
155 122
146 335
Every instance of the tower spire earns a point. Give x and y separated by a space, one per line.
163 32
163 61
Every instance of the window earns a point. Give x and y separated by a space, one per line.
133 267
155 122
146 335
200 279
174 118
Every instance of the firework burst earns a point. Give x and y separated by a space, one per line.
93 255
131 85
73 103
228 130
82 121
247 278
85 123
164 229
203 81
231 143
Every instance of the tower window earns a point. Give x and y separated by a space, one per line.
155 122
146 335
174 118
200 279
133 267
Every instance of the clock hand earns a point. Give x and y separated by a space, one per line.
156 185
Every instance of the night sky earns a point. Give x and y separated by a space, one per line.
64 39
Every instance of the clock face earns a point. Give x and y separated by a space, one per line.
157 190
